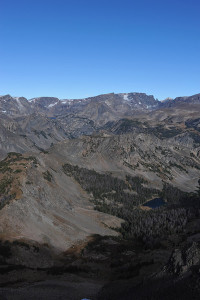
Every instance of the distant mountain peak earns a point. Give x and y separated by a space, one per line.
167 99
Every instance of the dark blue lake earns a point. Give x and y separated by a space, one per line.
155 203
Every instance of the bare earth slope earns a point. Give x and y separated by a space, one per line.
51 207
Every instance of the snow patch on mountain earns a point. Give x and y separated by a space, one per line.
53 104
126 97
20 106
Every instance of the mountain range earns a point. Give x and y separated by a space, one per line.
73 169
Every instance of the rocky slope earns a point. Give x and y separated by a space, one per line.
118 134
72 169
40 203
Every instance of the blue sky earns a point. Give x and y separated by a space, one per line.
80 48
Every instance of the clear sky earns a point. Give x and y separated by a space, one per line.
80 48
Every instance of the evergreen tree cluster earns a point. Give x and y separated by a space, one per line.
105 188
122 198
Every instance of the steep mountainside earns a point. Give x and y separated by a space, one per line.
76 177
156 155
40 203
